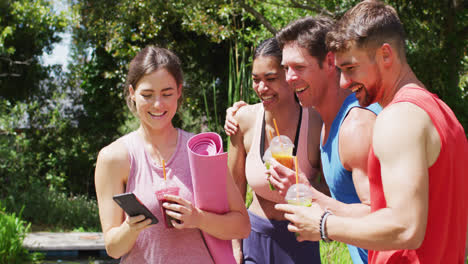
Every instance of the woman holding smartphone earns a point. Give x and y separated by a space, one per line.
134 163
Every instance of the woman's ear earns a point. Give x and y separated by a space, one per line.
132 92
179 91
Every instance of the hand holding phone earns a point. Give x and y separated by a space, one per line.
133 207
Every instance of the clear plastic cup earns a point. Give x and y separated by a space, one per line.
266 159
160 196
281 150
299 194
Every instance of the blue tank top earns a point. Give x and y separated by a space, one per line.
340 180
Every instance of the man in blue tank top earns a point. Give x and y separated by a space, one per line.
347 127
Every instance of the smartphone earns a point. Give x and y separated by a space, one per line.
133 207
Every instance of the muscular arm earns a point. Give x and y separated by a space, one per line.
112 169
400 142
355 140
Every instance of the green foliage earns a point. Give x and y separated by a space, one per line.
334 253
27 29
436 48
56 210
38 164
52 124
52 208
12 233
48 149
114 34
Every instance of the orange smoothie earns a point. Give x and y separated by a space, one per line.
284 159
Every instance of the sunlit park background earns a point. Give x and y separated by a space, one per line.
63 65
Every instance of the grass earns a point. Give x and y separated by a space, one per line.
334 253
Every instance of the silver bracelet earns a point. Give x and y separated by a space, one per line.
323 232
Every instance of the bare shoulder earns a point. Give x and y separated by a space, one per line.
358 116
115 152
112 158
246 116
399 126
358 124
355 137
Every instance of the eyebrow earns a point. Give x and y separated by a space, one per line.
346 63
167 89
266 74
162 90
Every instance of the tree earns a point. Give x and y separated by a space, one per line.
437 40
437 48
27 29
215 39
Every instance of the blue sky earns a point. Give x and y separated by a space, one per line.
60 53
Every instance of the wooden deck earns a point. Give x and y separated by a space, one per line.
72 241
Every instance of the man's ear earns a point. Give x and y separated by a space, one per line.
132 92
387 54
330 61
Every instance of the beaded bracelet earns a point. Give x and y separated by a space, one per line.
323 233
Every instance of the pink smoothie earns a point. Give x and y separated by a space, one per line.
160 195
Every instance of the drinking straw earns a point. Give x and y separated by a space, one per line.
164 169
271 135
297 177
297 165
277 130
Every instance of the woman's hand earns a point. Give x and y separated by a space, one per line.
137 223
182 210
282 177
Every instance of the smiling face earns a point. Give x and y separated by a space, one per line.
304 75
360 74
269 81
155 97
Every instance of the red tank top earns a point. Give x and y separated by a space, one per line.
444 240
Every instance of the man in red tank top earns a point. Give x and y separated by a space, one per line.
418 162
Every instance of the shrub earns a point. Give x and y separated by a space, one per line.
12 233
56 210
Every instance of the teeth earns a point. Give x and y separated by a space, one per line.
300 89
267 97
157 114
355 88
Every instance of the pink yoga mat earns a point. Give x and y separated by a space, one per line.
208 165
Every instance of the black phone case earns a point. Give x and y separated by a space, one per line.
133 207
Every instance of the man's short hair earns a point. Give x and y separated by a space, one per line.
308 33
368 25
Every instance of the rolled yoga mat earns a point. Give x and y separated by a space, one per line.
208 165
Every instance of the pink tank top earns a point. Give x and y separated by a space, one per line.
255 168
158 244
